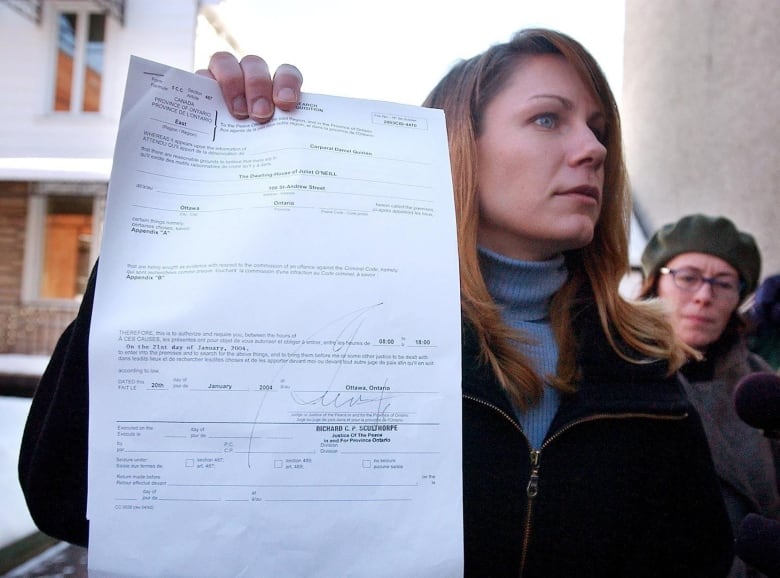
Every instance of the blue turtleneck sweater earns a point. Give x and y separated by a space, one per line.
523 290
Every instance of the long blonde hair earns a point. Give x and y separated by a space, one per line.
595 270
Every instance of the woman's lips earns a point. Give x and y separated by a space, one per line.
584 191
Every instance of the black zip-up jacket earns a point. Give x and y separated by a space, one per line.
623 485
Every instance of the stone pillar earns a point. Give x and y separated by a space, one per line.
701 113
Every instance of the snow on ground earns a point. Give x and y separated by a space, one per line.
17 364
15 520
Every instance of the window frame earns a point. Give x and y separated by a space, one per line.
83 11
35 237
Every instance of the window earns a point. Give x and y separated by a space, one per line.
64 223
67 239
79 63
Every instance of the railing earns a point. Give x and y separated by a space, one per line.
32 330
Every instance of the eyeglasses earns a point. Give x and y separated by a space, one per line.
691 280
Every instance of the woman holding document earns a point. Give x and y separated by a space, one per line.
581 454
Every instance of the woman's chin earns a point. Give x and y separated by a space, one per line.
582 237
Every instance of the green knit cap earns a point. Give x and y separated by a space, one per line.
702 234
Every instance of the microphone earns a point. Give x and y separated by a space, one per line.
757 402
758 544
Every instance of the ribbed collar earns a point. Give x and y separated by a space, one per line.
522 288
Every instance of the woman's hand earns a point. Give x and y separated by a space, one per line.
249 90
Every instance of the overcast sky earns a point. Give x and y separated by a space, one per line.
398 50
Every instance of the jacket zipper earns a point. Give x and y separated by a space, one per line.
535 455
532 489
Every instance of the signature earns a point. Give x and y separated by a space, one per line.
341 400
346 329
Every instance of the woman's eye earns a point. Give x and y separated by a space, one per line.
727 285
547 120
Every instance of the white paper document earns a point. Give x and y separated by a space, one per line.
275 342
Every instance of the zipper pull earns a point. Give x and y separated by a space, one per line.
533 483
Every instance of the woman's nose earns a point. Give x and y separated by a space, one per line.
704 292
588 149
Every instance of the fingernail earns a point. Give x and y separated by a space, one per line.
286 95
261 108
239 106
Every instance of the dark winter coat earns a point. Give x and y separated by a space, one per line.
743 456
622 486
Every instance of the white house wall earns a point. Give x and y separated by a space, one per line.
163 31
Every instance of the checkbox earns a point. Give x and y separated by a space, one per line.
278 464
367 464
189 463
